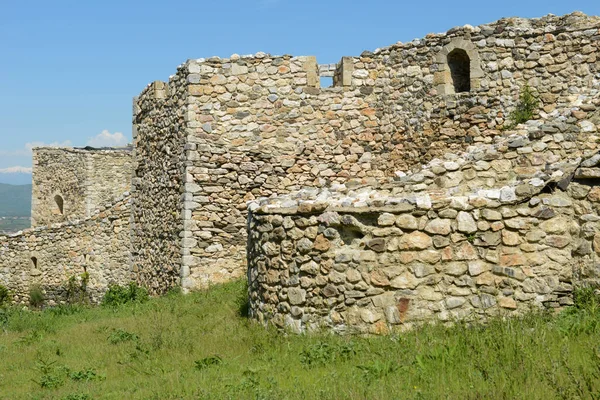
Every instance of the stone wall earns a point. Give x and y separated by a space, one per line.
261 125
502 228
84 179
49 256
157 186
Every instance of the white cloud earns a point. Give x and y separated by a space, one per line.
107 139
15 170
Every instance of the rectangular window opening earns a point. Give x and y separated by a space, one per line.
326 81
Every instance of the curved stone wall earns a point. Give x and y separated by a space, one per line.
501 229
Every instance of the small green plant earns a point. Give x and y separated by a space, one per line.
5 296
119 295
471 237
526 106
36 296
77 288
584 316
207 362
120 336
376 370
77 396
85 375
33 336
52 375
587 299
323 353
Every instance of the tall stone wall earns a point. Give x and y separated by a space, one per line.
500 229
49 256
225 131
261 125
85 179
158 184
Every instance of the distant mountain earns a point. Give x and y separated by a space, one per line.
15 200
16 178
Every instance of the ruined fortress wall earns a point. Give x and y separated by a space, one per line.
498 230
157 187
261 124
57 172
85 179
50 256
108 177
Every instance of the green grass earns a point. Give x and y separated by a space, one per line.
200 346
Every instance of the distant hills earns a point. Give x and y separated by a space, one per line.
16 178
15 207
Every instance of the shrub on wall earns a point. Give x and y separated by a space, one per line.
526 106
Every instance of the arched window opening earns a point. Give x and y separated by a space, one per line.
34 262
60 203
460 70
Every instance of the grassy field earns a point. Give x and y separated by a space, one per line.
200 346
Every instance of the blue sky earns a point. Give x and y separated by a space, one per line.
69 69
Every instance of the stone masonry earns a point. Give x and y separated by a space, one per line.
502 228
397 175
223 132
50 256
81 180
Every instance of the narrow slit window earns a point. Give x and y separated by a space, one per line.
34 262
59 203
460 70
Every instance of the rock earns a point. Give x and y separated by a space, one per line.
404 281
466 223
386 219
321 243
296 296
438 226
415 241
507 302
455 302
407 221
491 215
455 268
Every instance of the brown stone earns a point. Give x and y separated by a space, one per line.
557 241
438 226
510 238
378 278
594 194
415 241
465 252
377 244
322 243
507 302
511 260
329 291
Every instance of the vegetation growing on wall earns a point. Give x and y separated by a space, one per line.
525 108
